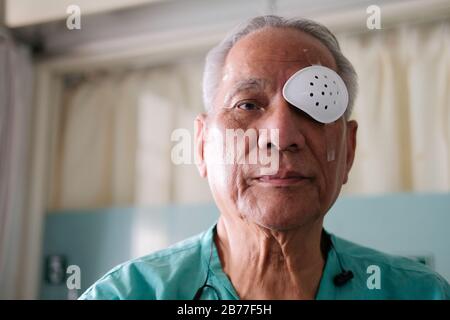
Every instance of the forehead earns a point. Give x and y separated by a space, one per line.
275 54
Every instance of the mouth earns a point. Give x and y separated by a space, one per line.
283 179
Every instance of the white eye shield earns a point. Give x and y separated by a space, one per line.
318 91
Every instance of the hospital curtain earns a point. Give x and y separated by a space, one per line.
115 143
403 109
15 121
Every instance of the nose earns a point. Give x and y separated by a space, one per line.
283 117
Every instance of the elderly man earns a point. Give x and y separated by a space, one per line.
269 242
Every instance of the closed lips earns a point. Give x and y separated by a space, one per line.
283 178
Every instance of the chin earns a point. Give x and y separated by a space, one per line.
280 215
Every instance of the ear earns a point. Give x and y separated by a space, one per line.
199 127
352 128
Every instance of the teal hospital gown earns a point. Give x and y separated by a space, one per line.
179 271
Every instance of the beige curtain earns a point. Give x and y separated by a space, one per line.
403 109
115 139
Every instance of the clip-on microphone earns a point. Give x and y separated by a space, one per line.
342 278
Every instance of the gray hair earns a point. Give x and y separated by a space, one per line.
216 57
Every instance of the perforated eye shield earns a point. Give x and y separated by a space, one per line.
319 91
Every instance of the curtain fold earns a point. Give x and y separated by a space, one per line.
15 120
403 109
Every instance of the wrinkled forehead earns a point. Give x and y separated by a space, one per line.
275 54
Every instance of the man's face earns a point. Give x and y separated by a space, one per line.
250 97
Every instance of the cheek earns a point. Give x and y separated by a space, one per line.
218 172
227 186
334 167
329 153
223 171
224 179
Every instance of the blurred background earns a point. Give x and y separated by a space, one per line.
86 117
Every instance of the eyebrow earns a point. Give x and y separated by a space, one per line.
245 85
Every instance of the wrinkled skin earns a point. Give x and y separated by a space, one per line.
269 231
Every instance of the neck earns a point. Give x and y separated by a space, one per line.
270 264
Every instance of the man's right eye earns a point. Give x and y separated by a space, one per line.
248 106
